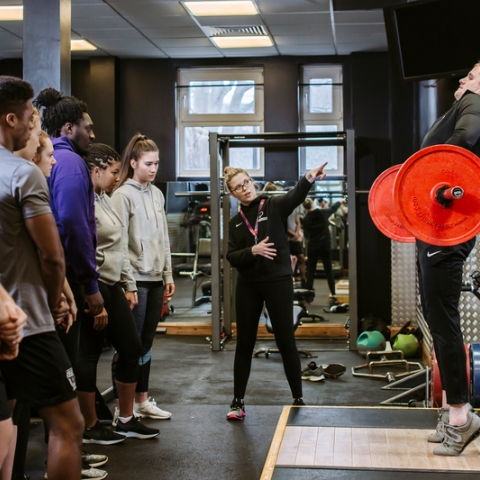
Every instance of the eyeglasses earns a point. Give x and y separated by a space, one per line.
243 186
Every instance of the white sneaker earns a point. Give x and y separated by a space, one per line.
93 473
88 472
150 410
93 459
116 414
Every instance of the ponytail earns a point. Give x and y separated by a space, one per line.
137 146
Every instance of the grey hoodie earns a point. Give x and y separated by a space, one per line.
113 263
142 211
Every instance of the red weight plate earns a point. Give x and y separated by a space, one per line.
382 208
414 195
436 385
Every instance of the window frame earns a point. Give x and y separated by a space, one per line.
307 118
186 119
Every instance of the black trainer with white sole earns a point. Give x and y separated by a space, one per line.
134 428
101 435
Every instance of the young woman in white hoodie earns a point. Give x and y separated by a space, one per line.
141 206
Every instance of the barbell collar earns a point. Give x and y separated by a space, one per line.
446 195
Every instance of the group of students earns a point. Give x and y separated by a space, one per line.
85 257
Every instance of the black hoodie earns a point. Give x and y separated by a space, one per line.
272 223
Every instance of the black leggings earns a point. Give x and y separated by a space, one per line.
278 299
120 332
324 252
71 340
440 279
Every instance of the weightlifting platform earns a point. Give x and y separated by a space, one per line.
362 443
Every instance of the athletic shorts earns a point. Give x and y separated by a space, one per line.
41 374
296 248
4 411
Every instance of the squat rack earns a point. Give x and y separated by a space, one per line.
219 159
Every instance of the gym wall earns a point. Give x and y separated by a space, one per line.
378 106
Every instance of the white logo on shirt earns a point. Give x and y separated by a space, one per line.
241 223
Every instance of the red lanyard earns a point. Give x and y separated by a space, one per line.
253 231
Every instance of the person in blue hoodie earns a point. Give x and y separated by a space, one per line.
72 200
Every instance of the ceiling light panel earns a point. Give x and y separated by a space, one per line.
77 45
242 41
11 13
221 8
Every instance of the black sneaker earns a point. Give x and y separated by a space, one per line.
101 435
298 402
134 428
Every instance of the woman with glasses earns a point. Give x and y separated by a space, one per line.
258 248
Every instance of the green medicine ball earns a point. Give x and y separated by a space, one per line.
370 341
408 344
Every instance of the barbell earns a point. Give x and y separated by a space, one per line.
434 196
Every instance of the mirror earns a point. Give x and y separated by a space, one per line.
188 218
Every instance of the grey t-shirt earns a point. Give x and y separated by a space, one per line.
23 194
292 221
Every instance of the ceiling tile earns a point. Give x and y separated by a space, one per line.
307 50
128 43
180 32
354 30
182 42
298 19
347 48
298 29
87 2
9 41
144 20
137 53
363 16
327 38
191 51
99 22
11 53
292 6
155 9
16 28
110 34
89 11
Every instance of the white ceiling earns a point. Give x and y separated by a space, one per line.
164 29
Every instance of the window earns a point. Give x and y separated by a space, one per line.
228 101
321 111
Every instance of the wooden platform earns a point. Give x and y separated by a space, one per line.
305 330
361 443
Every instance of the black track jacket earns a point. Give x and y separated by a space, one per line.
272 223
459 126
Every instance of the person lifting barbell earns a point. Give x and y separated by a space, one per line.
434 200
